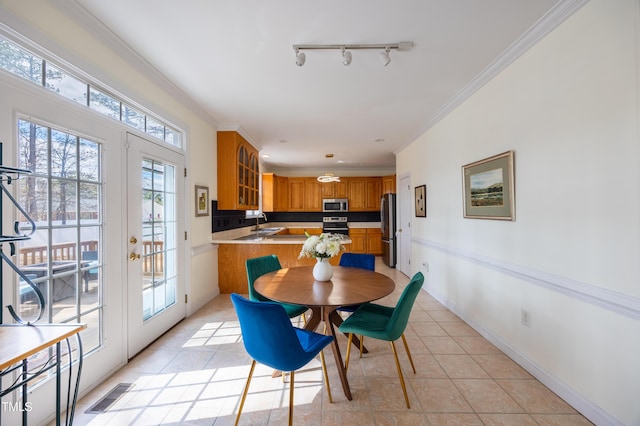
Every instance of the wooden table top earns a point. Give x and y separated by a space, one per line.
348 286
18 342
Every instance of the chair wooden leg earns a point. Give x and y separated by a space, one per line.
404 388
406 347
291 399
246 390
304 318
326 375
361 344
346 359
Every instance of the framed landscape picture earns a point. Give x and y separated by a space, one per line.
421 201
202 200
488 187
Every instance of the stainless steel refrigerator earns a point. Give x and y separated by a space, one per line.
388 224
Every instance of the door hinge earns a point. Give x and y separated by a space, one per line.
185 235
186 298
185 172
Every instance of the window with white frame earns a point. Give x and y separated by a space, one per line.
21 62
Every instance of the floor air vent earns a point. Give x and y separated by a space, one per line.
109 399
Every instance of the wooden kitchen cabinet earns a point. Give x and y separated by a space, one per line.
366 240
373 187
303 231
364 193
304 195
238 173
313 198
358 240
374 241
355 187
275 193
389 184
334 189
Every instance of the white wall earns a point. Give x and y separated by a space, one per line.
569 109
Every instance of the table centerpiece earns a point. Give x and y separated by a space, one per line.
322 247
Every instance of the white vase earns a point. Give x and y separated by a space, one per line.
322 271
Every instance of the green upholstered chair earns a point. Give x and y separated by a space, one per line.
259 266
385 323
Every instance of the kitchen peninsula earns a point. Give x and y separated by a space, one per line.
236 247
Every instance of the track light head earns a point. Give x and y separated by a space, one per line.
346 57
300 58
385 58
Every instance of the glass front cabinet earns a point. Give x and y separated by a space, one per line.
238 173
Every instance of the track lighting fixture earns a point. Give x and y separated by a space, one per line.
384 57
346 49
300 58
346 57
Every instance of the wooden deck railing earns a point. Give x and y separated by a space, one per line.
60 251
151 250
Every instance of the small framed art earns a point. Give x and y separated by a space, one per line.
202 200
421 201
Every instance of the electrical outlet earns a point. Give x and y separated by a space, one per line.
525 317
426 266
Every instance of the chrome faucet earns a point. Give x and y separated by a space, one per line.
258 216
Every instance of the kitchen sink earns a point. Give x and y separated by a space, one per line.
255 237
267 231
251 237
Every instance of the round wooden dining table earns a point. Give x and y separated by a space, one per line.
348 286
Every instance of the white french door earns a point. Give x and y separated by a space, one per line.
155 242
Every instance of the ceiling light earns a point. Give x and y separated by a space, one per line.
346 57
402 46
300 58
328 177
384 57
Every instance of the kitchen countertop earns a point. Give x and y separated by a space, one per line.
245 235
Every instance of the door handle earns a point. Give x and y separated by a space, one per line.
133 240
134 256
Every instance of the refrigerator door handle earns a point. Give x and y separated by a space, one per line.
382 219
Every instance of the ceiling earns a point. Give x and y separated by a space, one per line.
235 60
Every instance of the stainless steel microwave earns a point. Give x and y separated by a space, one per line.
335 205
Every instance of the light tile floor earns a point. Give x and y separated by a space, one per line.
196 372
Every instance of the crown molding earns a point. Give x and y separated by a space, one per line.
81 16
547 23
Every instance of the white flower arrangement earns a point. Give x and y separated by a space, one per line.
324 245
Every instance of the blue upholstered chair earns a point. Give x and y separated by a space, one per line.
259 266
271 339
356 260
385 323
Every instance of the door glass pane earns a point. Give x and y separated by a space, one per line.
62 258
159 212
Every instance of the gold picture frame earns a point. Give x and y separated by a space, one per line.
202 200
488 188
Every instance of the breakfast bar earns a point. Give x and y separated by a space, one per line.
233 252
